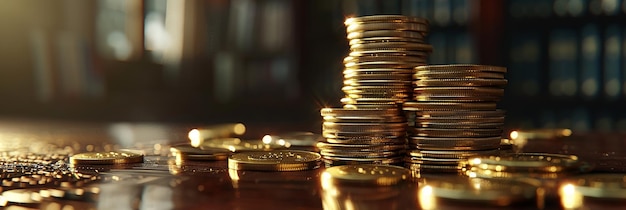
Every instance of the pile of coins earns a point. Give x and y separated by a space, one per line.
454 115
362 136
371 127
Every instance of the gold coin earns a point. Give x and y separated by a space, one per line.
517 176
385 40
238 145
406 26
473 82
526 162
188 152
461 68
366 174
464 189
600 185
279 160
468 74
106 158
385 18
23 196
425 105
386 33
393 45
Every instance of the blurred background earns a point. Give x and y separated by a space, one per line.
280 61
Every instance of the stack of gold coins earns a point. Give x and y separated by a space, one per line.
371 128
384 49
362 136
453 115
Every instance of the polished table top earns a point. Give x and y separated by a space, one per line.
30 148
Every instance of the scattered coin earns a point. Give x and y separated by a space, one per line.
188 152
366 174
105 158
279 160
605 186
475 190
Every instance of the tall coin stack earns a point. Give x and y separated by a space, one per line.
378 76
454 115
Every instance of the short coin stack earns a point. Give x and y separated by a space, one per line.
384 49
454 115
362 136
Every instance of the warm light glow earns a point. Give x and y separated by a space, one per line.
566 132
178 160
426 198
68 207
194 137
239 129
267 139
232 173
553 169
476 161
570 198
349 20
79 191
281 142
326 181
471 174
514 135
477 184
348 204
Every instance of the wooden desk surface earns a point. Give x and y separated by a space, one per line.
164 183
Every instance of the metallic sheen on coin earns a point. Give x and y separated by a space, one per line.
366 174
106 158
278 160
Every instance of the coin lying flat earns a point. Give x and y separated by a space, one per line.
466 74
366 174
406 26
526 162
430 143
607 186
384 18
464 189
279 160
460 82
426 105
385 33
238 145
337 161
462 67
188 152
385 39
106 158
